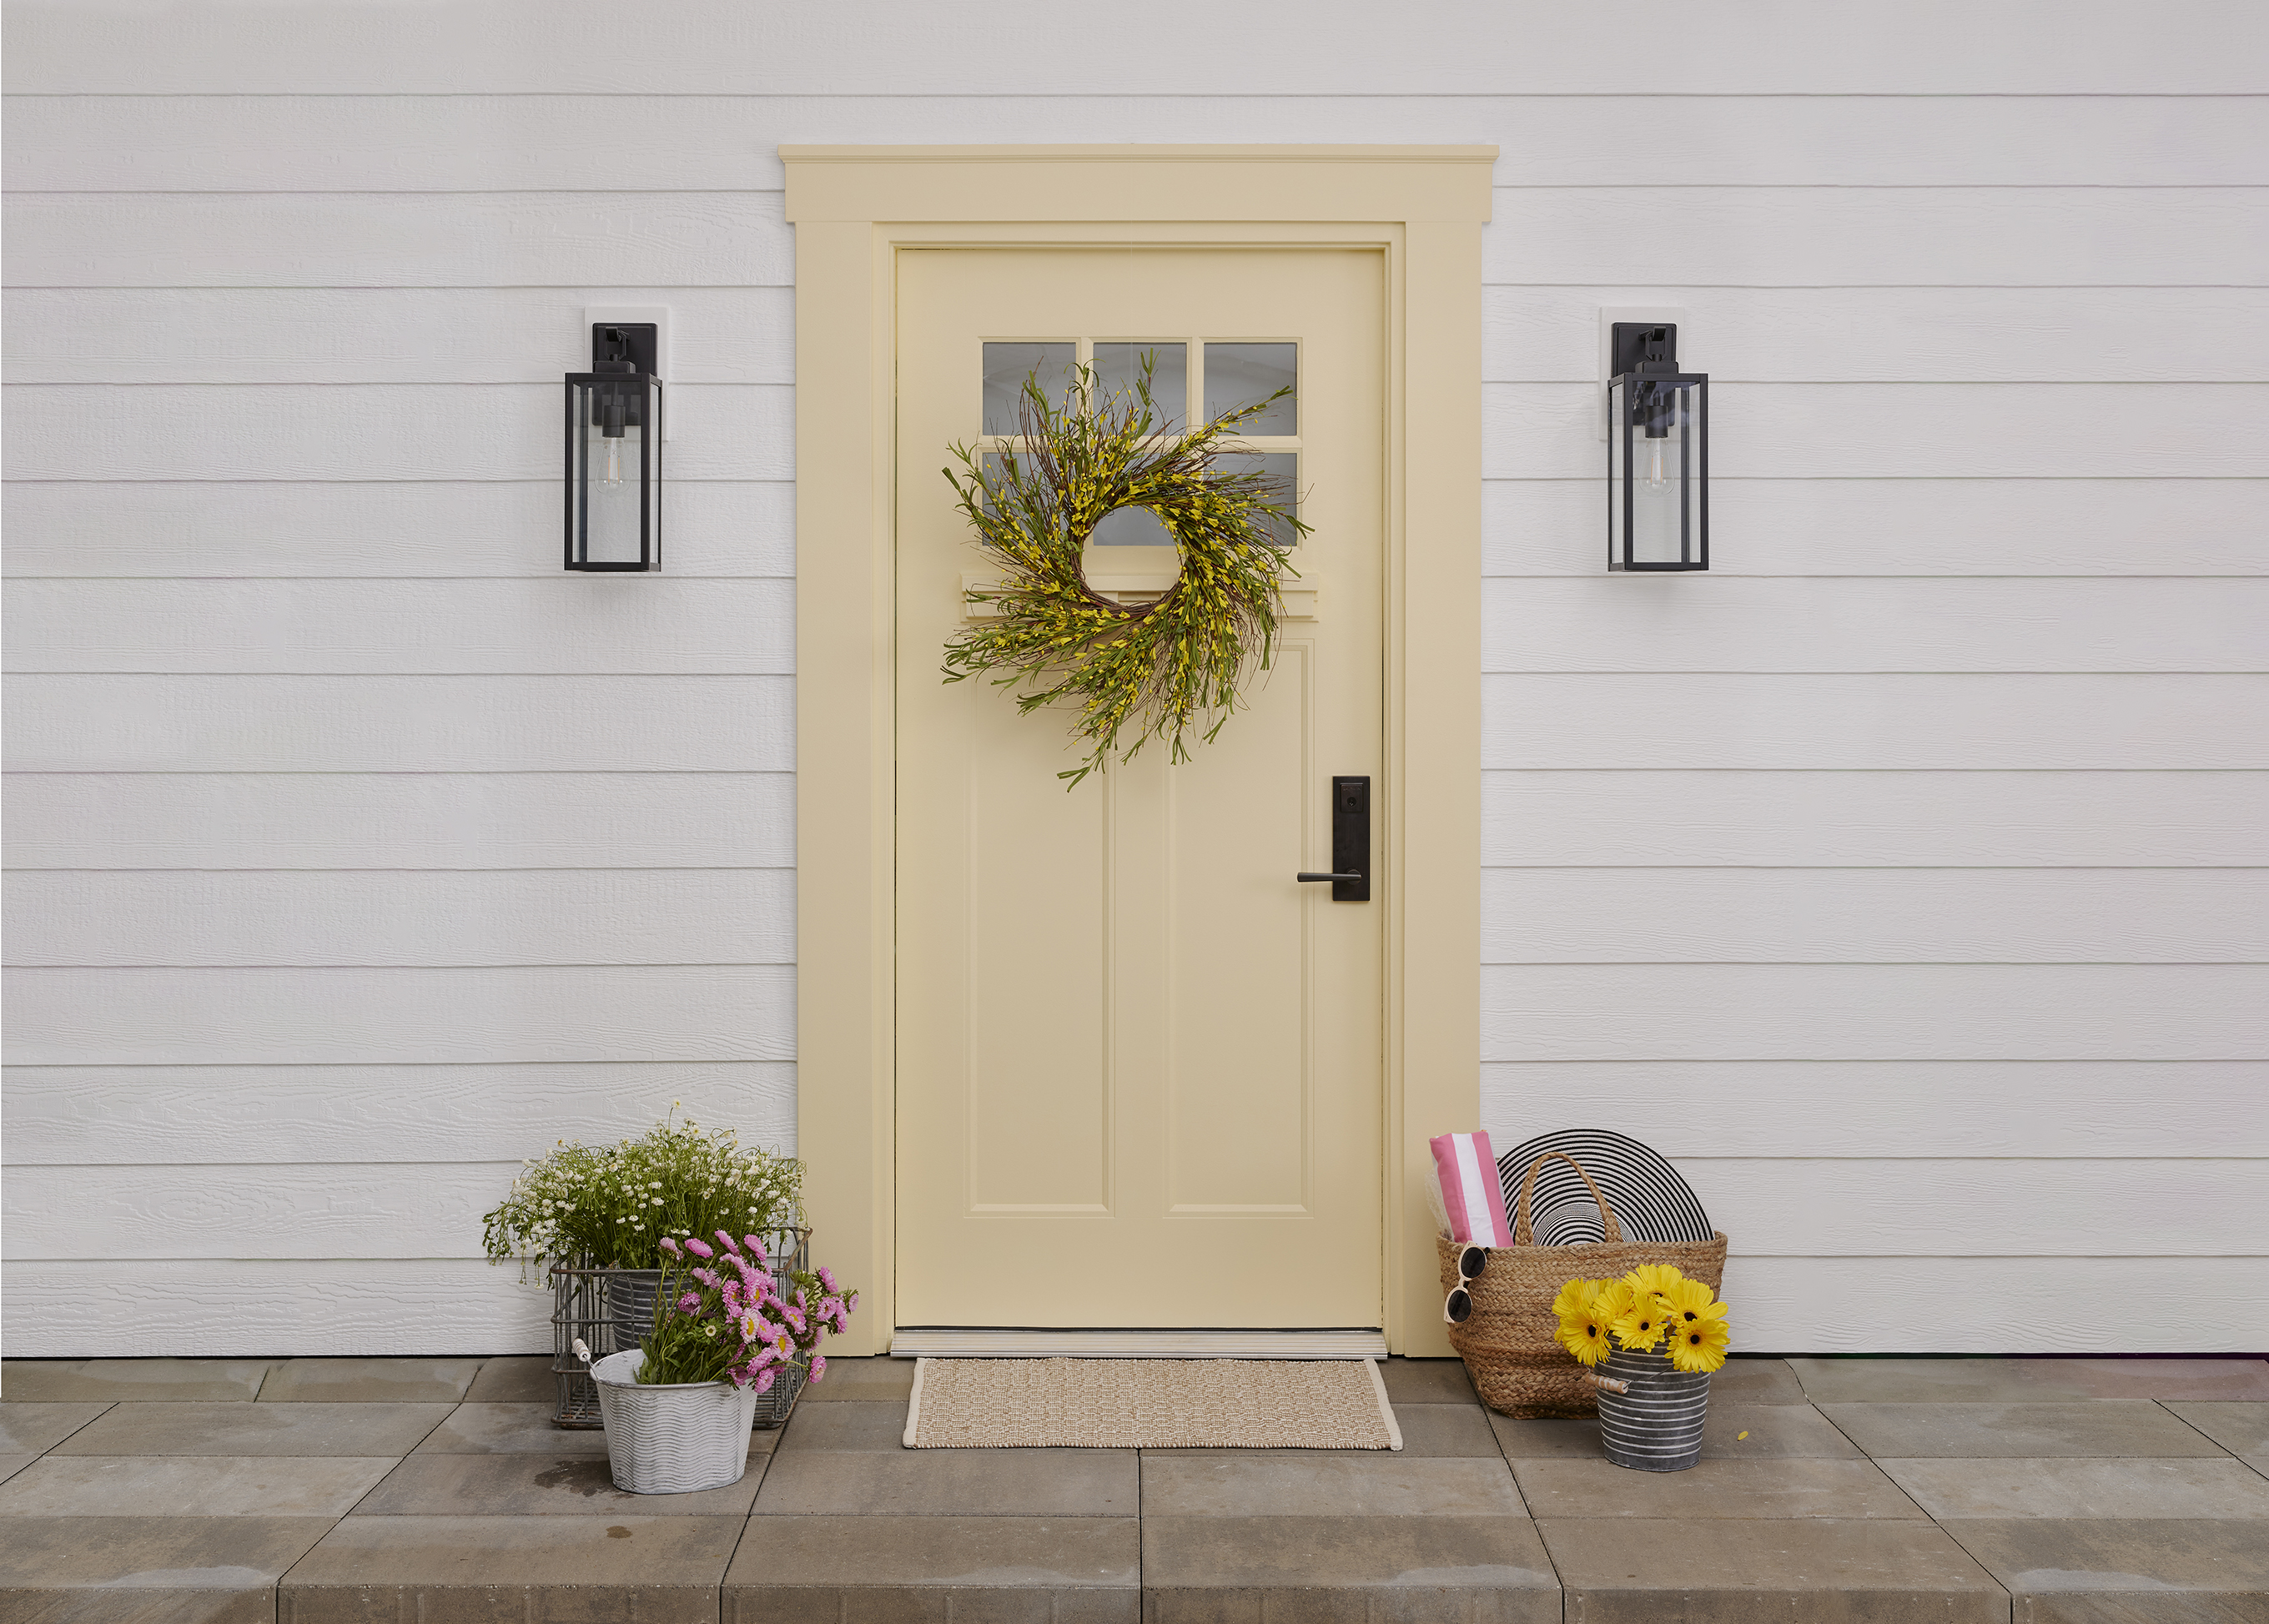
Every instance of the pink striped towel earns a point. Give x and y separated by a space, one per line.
1470 1192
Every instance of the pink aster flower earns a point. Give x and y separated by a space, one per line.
764 1381
827 1279
687 1303
669 1245
758 1249
819 1366
729 1242
700 1249
707 1277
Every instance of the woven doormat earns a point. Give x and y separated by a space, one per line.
1118 1404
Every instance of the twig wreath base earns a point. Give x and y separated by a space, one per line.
1136 672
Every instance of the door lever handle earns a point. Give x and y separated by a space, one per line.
1310 879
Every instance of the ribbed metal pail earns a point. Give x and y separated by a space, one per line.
672 1440
1657 1425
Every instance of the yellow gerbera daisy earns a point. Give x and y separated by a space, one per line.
1699 1345
1616 1297
1640 1324
1585 1333
1574 1296
1691 1300
1653 1279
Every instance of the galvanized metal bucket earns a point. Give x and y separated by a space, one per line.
672 1439
1657 1425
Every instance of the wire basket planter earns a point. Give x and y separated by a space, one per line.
612 1309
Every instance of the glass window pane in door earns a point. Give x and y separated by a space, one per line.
1007 365
1130 526
1280 471
1242 374
1117 367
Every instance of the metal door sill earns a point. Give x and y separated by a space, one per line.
965 1342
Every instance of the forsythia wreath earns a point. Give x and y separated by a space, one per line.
1165 669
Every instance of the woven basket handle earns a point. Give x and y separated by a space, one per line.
1523 1232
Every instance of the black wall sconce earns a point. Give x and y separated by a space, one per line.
614 452
1657 453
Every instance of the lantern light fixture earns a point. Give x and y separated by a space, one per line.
1657 453
614 452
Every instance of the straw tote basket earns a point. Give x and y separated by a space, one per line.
1510 1344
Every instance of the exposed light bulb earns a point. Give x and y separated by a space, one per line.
614 475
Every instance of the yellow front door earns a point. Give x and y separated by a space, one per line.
1139 1066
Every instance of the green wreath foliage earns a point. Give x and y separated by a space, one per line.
1138 671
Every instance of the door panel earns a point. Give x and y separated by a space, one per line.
1139 1064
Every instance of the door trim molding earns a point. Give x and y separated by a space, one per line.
854 210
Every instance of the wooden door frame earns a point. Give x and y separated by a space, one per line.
853 209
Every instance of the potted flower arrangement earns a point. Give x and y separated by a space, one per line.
597 1215
1661 1335
678 1407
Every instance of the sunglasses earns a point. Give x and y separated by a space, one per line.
1457 1307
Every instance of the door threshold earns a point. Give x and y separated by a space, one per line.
966 1342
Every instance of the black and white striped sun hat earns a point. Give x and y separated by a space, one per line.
1651 1202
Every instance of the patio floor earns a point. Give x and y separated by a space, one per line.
2085 1491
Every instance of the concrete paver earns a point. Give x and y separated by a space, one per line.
369 1381
1985 1380
2070 1487
1977 1431
62 1380
1746 1379
178 1569
2242 1428
34 1429
1214 1570
256 1430
2143 1561
192 1485
951 1483
513 1429
1426 1381
1080 1569
884 1379
10 1465
1241 1483
1793 1485
538 1485
515 1378
1737 1571
478 1570
1771 1429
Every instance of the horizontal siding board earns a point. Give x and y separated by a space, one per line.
1889 334
220 530
288 917
72 1116
1576 236
1913 430
410 143
899 49
419 335
447 1016
1630 623
1929 526
1875 1012
1941 1109
1864 237
561 239
1874 916
1783 1306
1957 722
1644 821
602 625
515 335
1849 1208
408 821
402 724
371 432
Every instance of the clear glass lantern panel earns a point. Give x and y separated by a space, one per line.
1279 484
616 489
1006 366
1118 367
1240 375
1654 478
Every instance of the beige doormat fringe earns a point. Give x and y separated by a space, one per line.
1118 1404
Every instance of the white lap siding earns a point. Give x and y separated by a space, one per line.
1901 879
